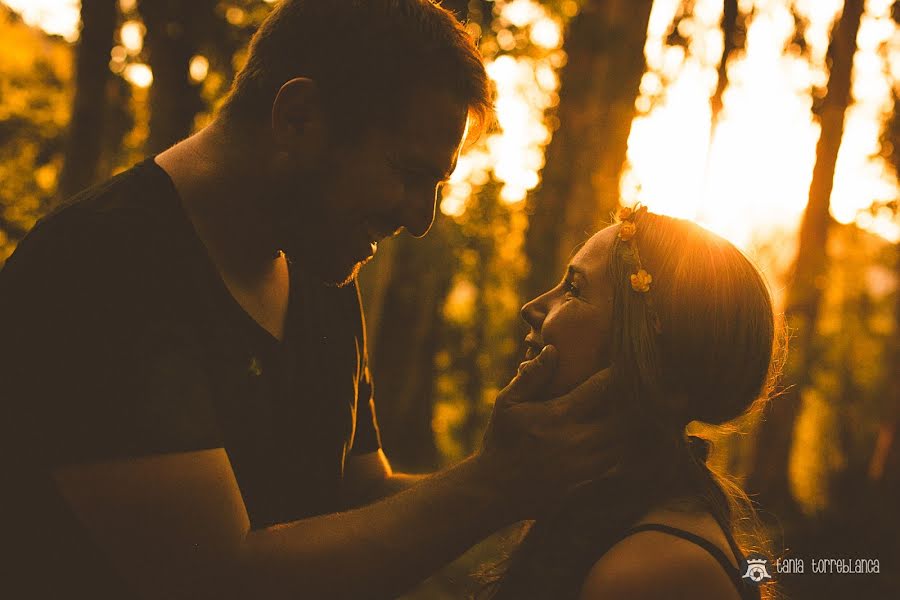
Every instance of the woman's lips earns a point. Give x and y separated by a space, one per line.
532 348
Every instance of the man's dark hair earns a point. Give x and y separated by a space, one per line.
367 57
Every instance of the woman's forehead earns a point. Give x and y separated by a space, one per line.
593 256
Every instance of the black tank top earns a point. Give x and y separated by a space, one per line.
747 591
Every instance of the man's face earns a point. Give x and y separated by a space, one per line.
332 216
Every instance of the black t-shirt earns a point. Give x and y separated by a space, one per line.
118 339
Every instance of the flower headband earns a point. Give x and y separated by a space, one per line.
640 281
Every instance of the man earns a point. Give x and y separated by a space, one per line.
186 401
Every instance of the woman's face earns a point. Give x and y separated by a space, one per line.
576 315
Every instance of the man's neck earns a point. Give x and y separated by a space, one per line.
221 192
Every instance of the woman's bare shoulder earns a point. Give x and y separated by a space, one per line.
652 565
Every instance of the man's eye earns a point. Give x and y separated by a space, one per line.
570 288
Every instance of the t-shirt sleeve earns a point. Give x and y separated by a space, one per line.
90 371
366 438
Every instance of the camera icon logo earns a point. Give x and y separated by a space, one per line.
756 569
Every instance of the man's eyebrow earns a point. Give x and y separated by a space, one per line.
571 271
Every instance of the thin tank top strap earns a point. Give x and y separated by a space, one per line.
735 549
746 592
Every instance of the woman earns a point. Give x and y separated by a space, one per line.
686 325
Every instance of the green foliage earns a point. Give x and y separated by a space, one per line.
34 112
845 401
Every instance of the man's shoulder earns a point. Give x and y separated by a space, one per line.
91 271
118 205
94 234
101 356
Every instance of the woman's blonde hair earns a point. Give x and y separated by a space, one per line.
700 345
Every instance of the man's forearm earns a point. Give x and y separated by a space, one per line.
381 489
398 482
355 553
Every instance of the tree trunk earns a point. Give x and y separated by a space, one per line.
733 37
171 41
118 122
92 76
599 84
769 474
406 335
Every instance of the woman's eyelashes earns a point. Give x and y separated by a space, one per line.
571 289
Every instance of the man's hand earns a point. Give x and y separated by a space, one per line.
539 449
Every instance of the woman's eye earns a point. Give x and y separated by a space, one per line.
570 288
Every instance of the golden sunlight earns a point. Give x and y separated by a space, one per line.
754 175
526 88
56 17
750 177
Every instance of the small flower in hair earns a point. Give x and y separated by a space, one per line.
627 230
640 281
625 213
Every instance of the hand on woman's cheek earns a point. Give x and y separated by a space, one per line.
577 363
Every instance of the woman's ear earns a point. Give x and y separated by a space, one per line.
298 121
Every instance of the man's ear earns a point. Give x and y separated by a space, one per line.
298 121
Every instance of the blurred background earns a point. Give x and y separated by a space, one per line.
771 122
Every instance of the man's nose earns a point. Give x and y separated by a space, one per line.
420 216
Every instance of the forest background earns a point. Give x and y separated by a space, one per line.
771 122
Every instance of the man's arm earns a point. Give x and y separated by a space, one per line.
369 477
176 527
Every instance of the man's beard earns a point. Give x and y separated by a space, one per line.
309 234
350 277
322 259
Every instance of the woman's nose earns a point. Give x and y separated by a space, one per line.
534 312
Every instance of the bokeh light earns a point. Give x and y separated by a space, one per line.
527 86
132 36
754 176
750 176
56 17
139 74
199 68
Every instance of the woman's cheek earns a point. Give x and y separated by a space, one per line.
583 347
574 367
